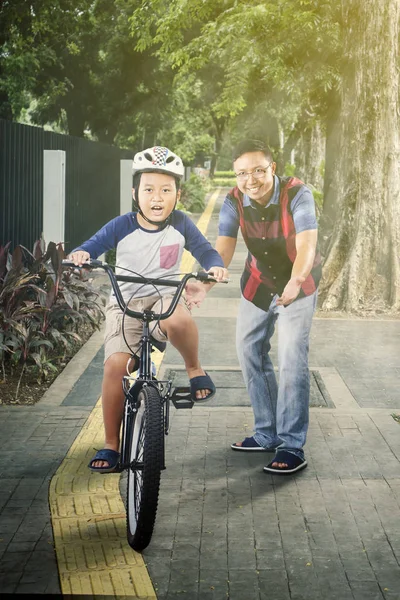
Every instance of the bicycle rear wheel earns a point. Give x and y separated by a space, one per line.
146 462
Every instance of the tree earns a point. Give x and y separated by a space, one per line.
362 268
276 57
78 63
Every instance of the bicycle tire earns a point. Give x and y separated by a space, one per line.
147 443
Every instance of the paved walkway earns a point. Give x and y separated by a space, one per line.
224 528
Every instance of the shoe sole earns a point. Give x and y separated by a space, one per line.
245 449
285 471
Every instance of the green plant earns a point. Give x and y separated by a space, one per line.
111 257
193 194
223 182
318 197
289 170
224 174
42 308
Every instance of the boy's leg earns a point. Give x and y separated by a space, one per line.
181 330
116 356
112 398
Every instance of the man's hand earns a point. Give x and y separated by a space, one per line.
291 291
79 257
219 273
195 293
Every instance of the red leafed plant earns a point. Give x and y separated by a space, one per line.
42 306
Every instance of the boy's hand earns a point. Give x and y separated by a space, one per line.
195 293
219 273
79 257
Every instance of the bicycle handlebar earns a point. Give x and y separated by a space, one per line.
179 284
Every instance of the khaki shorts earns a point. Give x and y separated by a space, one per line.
133 328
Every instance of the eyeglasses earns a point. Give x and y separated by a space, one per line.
257 173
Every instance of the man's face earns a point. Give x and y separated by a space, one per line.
255 176
157 195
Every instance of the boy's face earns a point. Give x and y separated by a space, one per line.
157 197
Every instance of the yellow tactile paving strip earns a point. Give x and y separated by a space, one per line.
88 515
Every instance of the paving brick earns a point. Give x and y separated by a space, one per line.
366 590
273 585
331 532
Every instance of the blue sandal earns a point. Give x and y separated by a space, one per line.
249 444
294 463
202 382
111 456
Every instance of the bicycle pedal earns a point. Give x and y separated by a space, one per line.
181 398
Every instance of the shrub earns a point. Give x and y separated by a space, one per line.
289 170
224 174
193 194
111 256
223 182
42 308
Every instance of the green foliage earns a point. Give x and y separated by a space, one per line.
224 182
42 309
319 198
111 257
290 170
224 174
186 122
193 194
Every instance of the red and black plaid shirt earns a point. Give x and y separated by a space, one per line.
270 236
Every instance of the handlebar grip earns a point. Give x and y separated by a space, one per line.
91 264
203 276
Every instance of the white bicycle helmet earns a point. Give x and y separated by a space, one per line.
159 160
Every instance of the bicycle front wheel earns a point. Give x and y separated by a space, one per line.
146 462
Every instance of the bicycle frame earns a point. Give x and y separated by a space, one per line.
144 376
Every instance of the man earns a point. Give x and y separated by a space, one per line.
279 286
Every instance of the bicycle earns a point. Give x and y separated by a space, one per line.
146 411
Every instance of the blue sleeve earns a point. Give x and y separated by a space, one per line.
228 218
199 246
108 236
303 210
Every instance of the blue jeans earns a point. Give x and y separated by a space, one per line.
280 413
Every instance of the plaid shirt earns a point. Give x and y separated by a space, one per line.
270 236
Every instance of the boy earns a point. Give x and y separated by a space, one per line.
151 242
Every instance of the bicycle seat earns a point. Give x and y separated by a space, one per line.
158 345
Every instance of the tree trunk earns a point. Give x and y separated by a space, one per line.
361 271
76 122
310 156
219 127
332 157
5 104
331 173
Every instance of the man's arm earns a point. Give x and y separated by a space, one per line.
225 246
306 244
196 292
